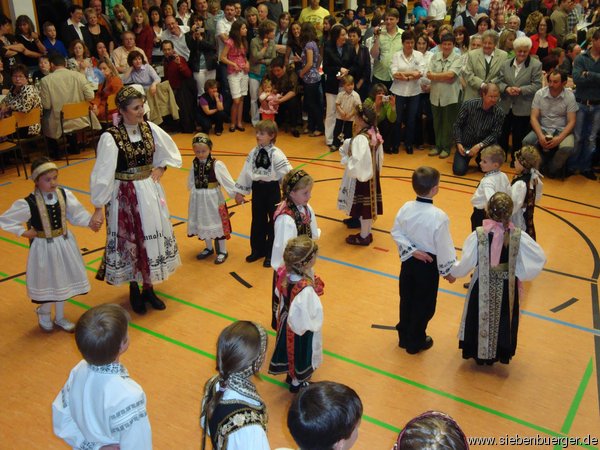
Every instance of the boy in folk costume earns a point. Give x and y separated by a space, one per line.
360 193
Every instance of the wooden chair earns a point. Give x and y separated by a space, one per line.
71 111
8 127
109 105
27 119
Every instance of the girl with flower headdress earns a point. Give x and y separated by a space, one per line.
526 188
360 193
208 217
233 414
502 256
293 217
299 343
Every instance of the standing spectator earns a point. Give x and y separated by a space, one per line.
103 19
179 75
311 79
468 18
553 115
120 23
285 82
424 133
73 28
275 8
361 70
211 108
281 34
559 20
263 12
337 63
315 14
203 53
234 56
478 125
572 51
403 10
27 36
144 36
483 65
52 44
407 67
176 34
461 39
506 43
519 79
542 42
514 23
443 71
183 11
121 53
98 33
156 24
262 52
586 75
222 34
294 47
437 11
386 42
251 16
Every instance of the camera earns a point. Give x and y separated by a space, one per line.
467 152
385 98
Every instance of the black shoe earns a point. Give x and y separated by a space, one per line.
466 285
512 164
352 222
296 389
409 150
135 299
425 346
295 133
253 257
589 174
149 296
267 262
204 254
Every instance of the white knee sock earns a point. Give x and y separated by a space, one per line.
59 310
45 308
365 227
222 243
209 244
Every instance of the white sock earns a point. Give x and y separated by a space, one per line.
222 245
209 244
295 382
59 310
45 308
365 227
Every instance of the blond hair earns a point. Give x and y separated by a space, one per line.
495 153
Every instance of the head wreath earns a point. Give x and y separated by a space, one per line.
202 138
127 93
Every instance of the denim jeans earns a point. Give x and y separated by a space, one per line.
586 130
407 108
555 159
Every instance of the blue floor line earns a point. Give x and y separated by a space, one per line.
561 322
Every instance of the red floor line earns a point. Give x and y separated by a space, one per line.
573 212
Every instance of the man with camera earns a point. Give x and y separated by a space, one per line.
179 76
387 40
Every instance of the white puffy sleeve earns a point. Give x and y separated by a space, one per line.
251 436
285 229
224 178
62 421
445 255
517 193
103 174
315 230
281 165
166 152
135 432
344 151
12 221
190 181
469 257
531 258
405 246
243 184
306 312
360 165
76 212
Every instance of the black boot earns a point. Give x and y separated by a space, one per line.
137 304
149 296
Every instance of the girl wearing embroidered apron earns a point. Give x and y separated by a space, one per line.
208 217
360 192
293 217
55 269
526 188
299 347
233 413
502 256
140 244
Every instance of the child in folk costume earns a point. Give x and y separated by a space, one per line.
262 173
299 347
526 188
293 217
422 233
55 269
502 256
360 193
208 217
233 413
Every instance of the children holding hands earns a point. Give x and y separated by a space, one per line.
55 269
208 217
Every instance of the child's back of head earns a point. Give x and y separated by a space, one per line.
494 153
101 332
424 179
324 414
432 430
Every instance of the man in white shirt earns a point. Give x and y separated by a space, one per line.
120 54
437 11
74 28
176 34
223 27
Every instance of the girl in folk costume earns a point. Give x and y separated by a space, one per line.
55 269
293 217
502 256
208 217
232 413
360 193
299 347
526 188
140 244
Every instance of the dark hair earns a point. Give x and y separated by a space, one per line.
74 8
424 179
425 38
100 332
135 54
324 413
376 89
57 59
563 75
38 162
356 30
74 42
432 430
548 23
19 68
408 36
465 33
209 84
160 15
235 34
278 61
335 33
166 41
549 63
308 33
596 34
448 37
485 19
25 19
4 20
265 27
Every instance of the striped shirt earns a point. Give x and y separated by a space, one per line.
476 125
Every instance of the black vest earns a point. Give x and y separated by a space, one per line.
468 23
54 212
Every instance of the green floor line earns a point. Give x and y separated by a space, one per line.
350 361
94 261
11 241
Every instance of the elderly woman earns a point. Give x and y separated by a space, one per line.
407 67
22 97
98 32
483 64
262 52
519 79
443 72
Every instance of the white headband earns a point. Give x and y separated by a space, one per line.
41 169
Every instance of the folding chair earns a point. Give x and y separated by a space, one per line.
8 127
72 111
25 120
109 105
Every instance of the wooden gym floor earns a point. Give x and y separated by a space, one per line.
551 388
